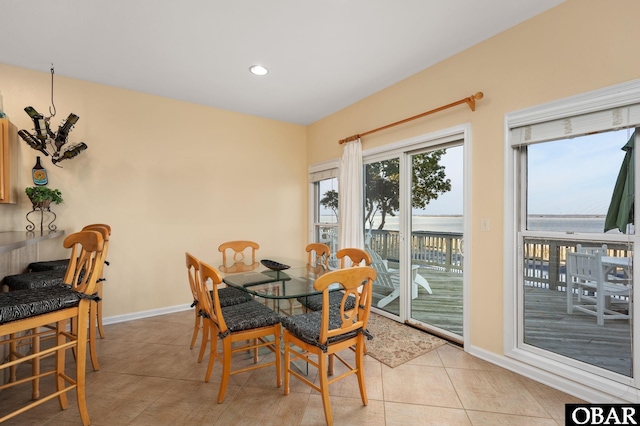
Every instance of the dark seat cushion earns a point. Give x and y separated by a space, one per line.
248 315
306 327
21 304
314 303
232 296
49 265
32 280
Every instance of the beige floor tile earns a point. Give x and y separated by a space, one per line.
419 384
149 376
455 357
551 399
345 411
483 418
431 358
494 391
398 414
254 406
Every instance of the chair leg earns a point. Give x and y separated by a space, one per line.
205 340
93 351
196 329
360 366
212 351
99 311
287 362
226 369
83 318
35 364
60 361
278 358
324 388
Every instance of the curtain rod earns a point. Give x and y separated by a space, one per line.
471 101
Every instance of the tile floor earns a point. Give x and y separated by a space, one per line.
149 376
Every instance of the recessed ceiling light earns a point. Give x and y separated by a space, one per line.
258 70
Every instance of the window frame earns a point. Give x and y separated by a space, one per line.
540 363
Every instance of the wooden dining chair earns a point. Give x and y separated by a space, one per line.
318 255
349 257
315 337
238 252
228 296
251 322
23 311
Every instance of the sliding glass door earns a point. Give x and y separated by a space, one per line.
437 237
413 223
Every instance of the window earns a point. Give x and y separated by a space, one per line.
564 159
325 207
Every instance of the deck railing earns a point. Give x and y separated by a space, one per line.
438 250
545 260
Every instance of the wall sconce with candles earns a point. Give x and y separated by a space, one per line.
45 140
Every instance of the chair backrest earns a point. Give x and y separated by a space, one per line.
210 301
377 263
239 251
318 254
105 231
357 283
585 266
353 257
193 271
86 260
581 249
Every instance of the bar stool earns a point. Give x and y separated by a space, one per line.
26 310
53 277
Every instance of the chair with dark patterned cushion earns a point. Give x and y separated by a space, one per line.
26 310
251 322
349 257
316 336
228 296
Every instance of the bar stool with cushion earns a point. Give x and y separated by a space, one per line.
22 311
61 265
228 296
316 336
251 322
53 277
52 265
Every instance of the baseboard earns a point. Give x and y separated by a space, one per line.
145 314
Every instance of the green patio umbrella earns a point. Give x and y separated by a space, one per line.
620 212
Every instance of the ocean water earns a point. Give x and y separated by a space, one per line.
578 224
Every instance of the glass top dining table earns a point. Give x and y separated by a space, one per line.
276 284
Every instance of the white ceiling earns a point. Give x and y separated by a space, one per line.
323 55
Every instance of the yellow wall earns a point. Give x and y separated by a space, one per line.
171 176
578 46
168 176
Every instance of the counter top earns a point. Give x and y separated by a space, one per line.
13 240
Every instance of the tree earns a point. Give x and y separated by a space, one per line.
382 186
330 201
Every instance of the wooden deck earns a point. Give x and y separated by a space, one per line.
547 324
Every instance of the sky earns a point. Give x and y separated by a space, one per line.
575 176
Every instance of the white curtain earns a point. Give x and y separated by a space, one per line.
350 199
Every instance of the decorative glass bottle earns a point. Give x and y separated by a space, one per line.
39 174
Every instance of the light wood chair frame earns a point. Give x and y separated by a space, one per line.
86 255
357 282
215 325
352 256
238 247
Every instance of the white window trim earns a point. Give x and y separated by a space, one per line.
565 377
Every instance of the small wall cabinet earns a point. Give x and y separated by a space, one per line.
8 155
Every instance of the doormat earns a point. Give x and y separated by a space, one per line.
394 343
